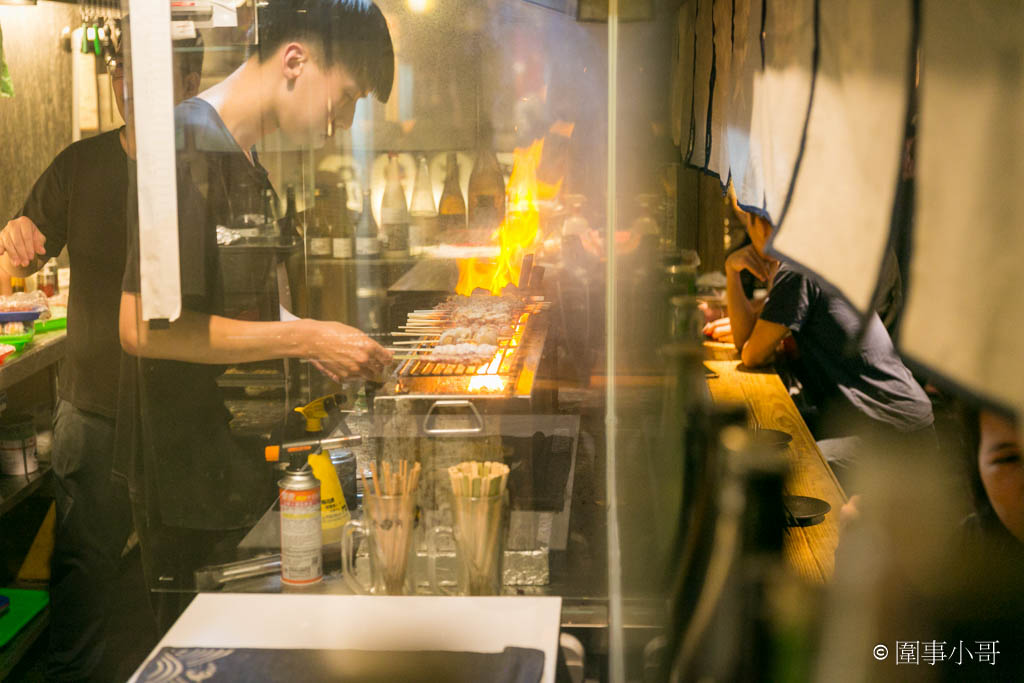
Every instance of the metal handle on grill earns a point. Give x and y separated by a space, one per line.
460 403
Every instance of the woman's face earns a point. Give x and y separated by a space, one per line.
1002 471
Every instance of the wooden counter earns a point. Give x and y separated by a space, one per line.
810 550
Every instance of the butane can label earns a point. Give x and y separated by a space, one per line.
301 555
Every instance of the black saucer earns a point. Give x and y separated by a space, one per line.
804 510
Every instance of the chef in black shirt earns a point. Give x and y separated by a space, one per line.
195 487
866 396
79 203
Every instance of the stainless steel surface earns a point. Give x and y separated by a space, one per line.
43 351
460 403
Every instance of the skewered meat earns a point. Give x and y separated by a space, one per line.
462 354
488 310
483 334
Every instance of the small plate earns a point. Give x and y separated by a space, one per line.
19 316
805 511
6 350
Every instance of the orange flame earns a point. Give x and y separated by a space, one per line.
517 233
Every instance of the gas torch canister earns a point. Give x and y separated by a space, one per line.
301 536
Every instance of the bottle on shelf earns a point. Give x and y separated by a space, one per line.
394 212
452 208
370 291
341 228
290 223
270 215
422 212
486 188
367 241
318 233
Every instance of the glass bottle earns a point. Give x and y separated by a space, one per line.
318 234
394 213
486 190
270 216
423 225
367 242
452 208
341 229
290 221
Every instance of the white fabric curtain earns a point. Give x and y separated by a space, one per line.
702 82
839 218
153 112
744 145
964 315
782 94
682 77
718 159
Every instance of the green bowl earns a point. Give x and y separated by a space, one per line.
18 341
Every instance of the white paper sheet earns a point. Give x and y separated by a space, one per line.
964 315
744 146
682 77
718 161
782 93
232 620
839 218
703 62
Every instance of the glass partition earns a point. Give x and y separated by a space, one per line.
405 241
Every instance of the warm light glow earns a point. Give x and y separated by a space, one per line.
517 234
420 6
486 383
491 376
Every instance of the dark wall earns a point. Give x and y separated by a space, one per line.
36 123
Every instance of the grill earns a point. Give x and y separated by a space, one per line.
501 364
440 414
511 372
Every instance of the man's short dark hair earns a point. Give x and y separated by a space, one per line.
353 33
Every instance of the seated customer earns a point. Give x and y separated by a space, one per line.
995 473
848 366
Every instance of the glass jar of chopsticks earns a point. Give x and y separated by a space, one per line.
480 524
389 520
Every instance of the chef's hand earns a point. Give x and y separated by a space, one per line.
747 258
340 351
21 240
849 513
720 330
